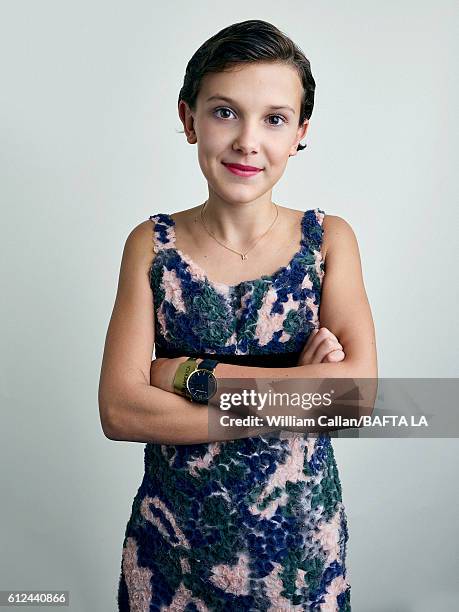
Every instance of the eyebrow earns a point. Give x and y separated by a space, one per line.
230 101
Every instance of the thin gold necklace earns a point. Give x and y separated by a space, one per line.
242 255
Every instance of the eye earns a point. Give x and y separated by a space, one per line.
280 116
223 108
228 110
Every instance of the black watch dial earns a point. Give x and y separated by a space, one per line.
202 385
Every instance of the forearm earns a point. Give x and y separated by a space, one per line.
352 385
153 415
342 369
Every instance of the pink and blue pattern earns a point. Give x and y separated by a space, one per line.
255 524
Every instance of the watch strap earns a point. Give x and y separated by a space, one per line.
181 375
208 364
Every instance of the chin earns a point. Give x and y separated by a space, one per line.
239 196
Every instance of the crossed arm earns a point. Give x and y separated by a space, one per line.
131 408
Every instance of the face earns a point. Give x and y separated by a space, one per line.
248 116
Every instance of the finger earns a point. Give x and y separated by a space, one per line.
334 356
314 339
326 346
314 342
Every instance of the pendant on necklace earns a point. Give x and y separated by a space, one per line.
243 256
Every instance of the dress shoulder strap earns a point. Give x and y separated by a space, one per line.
312 229
163 231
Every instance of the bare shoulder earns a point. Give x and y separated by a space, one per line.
139 243
143 232
337 231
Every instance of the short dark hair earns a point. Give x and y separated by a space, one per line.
249 41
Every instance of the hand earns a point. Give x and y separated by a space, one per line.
162 372
322 347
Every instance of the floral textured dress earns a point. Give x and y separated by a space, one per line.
255 524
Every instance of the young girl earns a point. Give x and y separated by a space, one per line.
231 288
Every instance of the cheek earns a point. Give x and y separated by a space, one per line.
278 146
206 158
278 155
278 164
210 138
209 148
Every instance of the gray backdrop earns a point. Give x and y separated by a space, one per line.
90 148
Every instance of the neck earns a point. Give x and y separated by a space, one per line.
238 224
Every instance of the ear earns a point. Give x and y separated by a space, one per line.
299 135
186 117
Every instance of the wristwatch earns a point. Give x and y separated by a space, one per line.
181 375
196 382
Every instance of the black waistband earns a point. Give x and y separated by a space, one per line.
271 360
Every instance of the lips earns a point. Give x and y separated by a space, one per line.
244 171
243 168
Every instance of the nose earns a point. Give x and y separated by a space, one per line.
247 140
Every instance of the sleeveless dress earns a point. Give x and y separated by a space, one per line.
254 524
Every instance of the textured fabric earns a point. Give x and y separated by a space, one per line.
255 524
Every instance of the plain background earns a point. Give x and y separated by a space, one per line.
90 147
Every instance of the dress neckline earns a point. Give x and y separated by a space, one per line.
196 270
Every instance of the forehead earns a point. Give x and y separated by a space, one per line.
255 84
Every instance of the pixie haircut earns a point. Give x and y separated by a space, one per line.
248 42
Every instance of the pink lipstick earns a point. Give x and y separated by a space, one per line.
242 170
